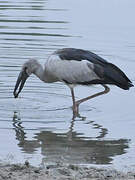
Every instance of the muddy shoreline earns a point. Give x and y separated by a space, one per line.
60 172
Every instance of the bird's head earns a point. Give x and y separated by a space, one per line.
28 68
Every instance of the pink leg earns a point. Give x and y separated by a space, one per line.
77 103
107 89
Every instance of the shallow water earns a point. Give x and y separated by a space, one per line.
38 126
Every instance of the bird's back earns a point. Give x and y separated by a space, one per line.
79 55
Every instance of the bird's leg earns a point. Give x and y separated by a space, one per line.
107 89
75 106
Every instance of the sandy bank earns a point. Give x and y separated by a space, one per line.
60 172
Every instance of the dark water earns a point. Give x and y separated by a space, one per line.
38 126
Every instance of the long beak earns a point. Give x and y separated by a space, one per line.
20 82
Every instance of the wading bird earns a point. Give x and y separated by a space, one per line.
74 67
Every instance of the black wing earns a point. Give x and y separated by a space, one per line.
108 72
79 55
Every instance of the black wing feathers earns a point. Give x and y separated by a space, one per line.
107 72
79 55
117 76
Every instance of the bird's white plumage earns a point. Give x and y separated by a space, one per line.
71 71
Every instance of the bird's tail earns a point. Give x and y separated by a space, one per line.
117 77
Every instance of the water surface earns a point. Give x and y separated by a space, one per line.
39 126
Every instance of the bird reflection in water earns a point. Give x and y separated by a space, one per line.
28 146
70 147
